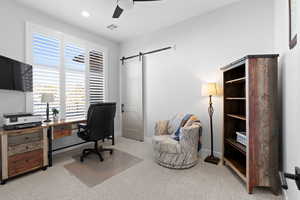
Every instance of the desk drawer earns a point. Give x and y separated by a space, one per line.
24 138
62 131
22 148
25 162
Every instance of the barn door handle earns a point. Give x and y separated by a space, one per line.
122 108
296 177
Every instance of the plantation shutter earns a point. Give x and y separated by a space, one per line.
69 68
46 62
96 77
74 58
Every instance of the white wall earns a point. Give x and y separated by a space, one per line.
12 44
203 44
289 78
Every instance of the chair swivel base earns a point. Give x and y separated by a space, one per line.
95 150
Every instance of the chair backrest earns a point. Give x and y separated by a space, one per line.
100 120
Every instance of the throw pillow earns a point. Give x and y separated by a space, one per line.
175 123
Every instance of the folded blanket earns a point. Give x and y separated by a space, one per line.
185 119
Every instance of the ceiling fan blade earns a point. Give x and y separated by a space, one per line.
118 12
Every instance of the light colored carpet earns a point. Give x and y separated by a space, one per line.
93 172
143 181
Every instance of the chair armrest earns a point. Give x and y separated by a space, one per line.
189 138
82 126
161 127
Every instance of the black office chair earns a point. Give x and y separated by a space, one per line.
100 125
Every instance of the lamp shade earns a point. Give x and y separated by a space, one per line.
210 89
47 98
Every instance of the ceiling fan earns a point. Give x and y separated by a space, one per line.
126 5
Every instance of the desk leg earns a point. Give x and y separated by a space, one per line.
49 135
113 136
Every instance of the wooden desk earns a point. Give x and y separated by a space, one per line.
63 128
60 129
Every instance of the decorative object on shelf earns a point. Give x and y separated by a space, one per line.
211 89
47 98
293 23
55 113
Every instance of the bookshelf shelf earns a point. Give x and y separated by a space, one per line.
237 80
237 167
241 117
241 148
235 98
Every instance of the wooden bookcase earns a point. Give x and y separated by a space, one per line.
250 106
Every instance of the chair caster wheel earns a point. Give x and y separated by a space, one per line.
44 168
81 159
101 160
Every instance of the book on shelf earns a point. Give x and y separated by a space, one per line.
241 137
241 132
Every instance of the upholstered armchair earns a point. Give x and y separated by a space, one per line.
171 153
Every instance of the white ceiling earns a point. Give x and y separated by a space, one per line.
143 18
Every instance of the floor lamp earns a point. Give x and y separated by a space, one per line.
211 89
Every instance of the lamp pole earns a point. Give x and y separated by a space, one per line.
211 113
211 158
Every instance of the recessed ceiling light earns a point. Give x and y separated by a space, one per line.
85 14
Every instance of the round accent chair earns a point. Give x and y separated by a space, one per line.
177 141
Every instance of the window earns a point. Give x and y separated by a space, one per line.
46 60
72 71
96 77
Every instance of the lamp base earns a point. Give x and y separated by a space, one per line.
212 159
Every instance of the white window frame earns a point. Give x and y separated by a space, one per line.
31 28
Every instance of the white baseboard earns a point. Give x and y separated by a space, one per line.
206 152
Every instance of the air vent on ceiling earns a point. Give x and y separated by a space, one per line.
112 27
